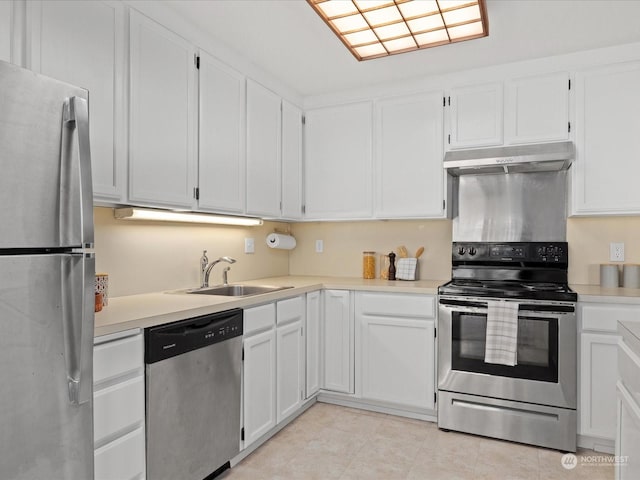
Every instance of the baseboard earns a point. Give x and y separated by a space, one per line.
604 445
372 406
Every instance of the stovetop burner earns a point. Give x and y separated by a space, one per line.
514 290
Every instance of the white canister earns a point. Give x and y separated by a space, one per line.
102 286
631 276
609 276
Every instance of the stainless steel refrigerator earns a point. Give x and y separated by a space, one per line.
46 279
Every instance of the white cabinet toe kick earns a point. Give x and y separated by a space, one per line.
541 425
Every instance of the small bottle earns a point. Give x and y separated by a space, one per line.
368 265
392 266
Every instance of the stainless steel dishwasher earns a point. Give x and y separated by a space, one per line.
193 396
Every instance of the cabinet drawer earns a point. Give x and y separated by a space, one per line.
122 459
118 408
289 310
116 358
396 304
605 317
259 318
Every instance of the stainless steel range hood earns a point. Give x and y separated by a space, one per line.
541 157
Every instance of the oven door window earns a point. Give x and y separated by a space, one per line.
537 357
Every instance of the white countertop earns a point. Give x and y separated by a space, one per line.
150 309
596 293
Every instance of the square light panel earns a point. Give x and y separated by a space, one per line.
378 28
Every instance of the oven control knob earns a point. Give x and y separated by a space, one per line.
472 251
461 251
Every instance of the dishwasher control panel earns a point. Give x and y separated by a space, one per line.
166 341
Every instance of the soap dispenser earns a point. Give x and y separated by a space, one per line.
204 261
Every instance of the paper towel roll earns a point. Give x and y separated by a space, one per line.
284 242
609 276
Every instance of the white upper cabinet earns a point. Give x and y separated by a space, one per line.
475 116
291 161
408 156
537 109
162 116
6 30
338 166
263 151
87 53
221 172
607 164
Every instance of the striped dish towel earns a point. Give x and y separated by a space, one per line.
502 333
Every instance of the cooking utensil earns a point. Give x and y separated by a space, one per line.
419 252
403 252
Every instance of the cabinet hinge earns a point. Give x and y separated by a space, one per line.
444 101
304 120
243 354
302 332
444 204
304 209
242 434
435 332
435 397
569 84
569 127
196 193
449 101
196 60
301 395
449 139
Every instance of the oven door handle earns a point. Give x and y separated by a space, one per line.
478 307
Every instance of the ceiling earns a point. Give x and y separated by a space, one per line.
287 39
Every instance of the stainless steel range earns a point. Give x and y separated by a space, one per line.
533 401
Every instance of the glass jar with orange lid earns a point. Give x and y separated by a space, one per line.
368 265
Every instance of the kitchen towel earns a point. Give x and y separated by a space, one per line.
278 240
502 333
406 268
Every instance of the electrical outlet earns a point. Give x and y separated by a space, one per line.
319 246
249 245
616 252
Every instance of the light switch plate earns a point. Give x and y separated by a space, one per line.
249 245
319 246
616 253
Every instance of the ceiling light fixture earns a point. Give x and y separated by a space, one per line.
188 217
378 28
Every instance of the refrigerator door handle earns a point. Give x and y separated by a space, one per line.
75 116
78 303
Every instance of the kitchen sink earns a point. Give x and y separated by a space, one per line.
236 290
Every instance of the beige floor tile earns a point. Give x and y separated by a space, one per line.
437 472
310 465
243 472
337 442
378 470
392 450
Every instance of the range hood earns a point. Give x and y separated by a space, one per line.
541 157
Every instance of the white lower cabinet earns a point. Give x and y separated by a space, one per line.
274 365
259 372
313 322
628 421
395 348
598 363
290 357
119 406
337 341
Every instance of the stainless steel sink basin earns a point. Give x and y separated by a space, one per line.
236 290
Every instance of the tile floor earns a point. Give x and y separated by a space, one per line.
332 442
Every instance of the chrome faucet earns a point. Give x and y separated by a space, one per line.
224 275
207 272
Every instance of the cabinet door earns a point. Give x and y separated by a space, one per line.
607 163
314 314
627 436
221 162
397 360
6 30
597 405
338 162
291 161
290 369
537 109
263 151
475 116
259 385
162 116
338 341
408 157
88 54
